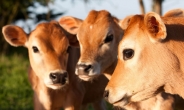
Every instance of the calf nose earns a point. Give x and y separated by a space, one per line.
83 68
59 77
106 94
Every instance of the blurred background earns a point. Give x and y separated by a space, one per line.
15 90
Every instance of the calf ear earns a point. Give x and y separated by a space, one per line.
14 35
70 24
156 28
125 22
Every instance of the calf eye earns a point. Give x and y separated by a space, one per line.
35 49
128 54
108 38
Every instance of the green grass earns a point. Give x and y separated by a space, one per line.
15 90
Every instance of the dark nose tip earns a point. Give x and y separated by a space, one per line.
83 68
59 77
106 94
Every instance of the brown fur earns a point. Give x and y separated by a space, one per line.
52 42
96 23
157 63
92 42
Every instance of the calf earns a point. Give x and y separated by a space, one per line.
149 60
53 61
99 35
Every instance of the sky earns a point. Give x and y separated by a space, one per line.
118 8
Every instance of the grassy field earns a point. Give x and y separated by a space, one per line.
15 90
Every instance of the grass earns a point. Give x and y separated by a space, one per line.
15 90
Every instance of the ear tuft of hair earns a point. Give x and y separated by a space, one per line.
14 35
70 24
155 26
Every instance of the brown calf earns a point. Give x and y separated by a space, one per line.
99 35
53 61
149 60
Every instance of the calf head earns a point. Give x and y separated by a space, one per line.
98 35
144 61
48 51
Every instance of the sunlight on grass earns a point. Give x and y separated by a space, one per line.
15 90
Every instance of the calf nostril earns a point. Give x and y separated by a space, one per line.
63 78
83 69
65 74
59 77
88 68
53 76
106 94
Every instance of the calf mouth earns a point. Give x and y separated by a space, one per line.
122 102
57 86
85 77
87 72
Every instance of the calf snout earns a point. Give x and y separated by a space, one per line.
59 77
116 97
83 69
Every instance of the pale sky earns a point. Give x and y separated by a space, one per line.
118 8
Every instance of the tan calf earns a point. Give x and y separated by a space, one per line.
53 61
149 60
99 35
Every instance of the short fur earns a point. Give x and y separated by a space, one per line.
94 51
157 62
52 42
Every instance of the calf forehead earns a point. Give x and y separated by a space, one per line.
95 16
136 24
50 30
95 26
134 34
49 35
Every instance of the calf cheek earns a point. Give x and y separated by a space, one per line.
107 57
38 66
124 79
117 77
